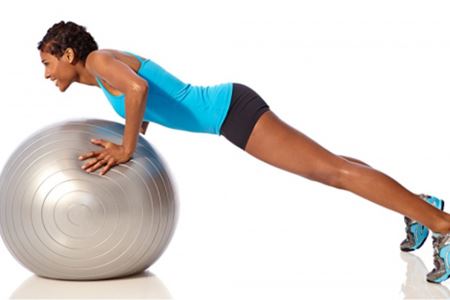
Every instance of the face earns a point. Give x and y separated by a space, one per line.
60 70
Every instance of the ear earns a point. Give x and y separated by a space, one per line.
69 55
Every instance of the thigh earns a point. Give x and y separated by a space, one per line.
279 144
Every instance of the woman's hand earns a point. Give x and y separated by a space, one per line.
111 155
143 128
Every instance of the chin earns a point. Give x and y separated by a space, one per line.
62 89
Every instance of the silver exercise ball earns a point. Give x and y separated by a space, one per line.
63 223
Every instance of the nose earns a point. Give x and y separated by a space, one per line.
47 73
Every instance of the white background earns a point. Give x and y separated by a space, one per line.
368 79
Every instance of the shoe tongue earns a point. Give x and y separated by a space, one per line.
410 221
437 234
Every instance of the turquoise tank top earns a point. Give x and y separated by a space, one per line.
175 104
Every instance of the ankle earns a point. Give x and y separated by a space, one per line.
442 226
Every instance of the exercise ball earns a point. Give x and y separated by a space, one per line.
61 222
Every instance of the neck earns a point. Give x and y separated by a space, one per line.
84 76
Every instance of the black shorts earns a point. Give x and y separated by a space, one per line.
245 109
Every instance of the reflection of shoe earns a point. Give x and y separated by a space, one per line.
416 233
414 286
441 246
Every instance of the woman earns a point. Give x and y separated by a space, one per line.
142 91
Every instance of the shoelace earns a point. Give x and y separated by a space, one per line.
409 234
437 241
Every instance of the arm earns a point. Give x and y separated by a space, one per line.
119 75
135 88
134 113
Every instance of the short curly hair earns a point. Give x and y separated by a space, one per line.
65 35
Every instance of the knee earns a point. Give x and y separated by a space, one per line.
335 175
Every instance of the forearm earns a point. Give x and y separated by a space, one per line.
134 113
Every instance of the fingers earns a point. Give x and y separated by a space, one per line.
108 166
97 156
87 166
89 155
95 164
99 142
100 158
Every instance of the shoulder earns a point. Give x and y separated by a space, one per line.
98 58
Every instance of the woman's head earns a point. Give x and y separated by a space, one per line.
64 35
64 45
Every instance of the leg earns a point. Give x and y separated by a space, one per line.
354 160
282 146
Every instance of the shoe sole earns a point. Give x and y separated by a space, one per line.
440 281
423 242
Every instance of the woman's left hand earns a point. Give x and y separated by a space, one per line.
111 155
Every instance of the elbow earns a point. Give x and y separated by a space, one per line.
143 87
140 87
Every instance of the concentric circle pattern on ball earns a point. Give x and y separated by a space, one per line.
61 222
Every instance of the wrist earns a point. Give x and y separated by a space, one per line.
128 150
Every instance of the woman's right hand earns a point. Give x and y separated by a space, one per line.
143 127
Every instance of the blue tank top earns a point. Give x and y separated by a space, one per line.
175 104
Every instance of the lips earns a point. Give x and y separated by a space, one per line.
56 81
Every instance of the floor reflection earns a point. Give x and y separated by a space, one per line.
144 285
415 285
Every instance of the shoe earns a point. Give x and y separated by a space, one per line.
441 246
416 233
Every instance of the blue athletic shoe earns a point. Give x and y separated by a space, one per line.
441 246
416 233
